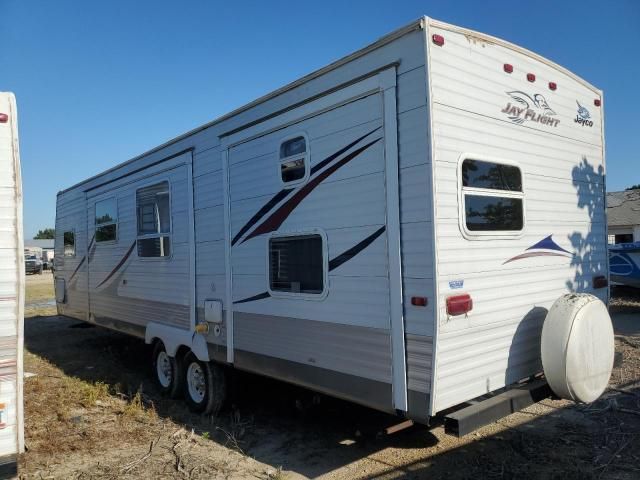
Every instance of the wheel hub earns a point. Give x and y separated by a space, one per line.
163 368
196 382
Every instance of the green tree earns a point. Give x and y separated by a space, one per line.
634 187
46 234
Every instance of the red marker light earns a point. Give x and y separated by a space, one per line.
419 301
459 304
508 68
531 77
4 118
553 86
596 102
437 39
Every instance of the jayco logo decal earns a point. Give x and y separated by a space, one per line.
583 117
527 108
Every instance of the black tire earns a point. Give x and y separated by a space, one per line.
172 381
209 395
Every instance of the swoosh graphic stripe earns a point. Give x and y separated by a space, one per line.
120 263
332 157
333 264
77 268
285 192
260 296
276 219
355 250
535 254
261 213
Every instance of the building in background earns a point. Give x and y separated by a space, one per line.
623 216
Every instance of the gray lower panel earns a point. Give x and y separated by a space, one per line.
120 326
356 389
357 351
419 356
418 405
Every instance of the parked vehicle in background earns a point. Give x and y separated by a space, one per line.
47 259
624 264
11 290
392 229
32 264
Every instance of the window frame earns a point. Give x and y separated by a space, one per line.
64 254
155 235
116 223
488 192
325 265
307 159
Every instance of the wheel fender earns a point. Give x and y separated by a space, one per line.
173 338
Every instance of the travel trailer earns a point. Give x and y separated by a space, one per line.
11 290
392 229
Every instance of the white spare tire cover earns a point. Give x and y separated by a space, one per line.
578 347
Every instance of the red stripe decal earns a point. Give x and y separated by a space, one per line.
117 267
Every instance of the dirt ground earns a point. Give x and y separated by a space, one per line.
92 412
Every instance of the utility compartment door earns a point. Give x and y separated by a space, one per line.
315 291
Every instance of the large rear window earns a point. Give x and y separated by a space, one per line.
492 197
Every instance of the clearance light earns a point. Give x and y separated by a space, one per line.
553 86
600 281
459 304
596 102
419 301
437 39
4 118
531 77
508 68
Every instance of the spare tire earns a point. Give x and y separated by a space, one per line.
578 347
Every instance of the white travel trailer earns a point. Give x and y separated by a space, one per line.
390 229
11 290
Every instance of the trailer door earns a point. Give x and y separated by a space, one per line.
314 271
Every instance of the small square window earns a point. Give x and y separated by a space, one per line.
294 160
296 264
69 241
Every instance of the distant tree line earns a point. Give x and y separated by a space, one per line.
634 187
46 234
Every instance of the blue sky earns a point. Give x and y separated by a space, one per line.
100 82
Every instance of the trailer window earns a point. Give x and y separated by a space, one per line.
69 242
296 264
153 210
106 220
294 160
492 197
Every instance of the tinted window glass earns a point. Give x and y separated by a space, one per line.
106 233
69 244
153 209
493 213
154 247
106 211
292 170
479 174
296 264
293 147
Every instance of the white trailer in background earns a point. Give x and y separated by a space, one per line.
391 229
11 290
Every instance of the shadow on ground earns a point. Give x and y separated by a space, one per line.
279 425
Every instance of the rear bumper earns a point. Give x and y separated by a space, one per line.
488 410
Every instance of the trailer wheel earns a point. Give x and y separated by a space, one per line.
166 371
204 385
